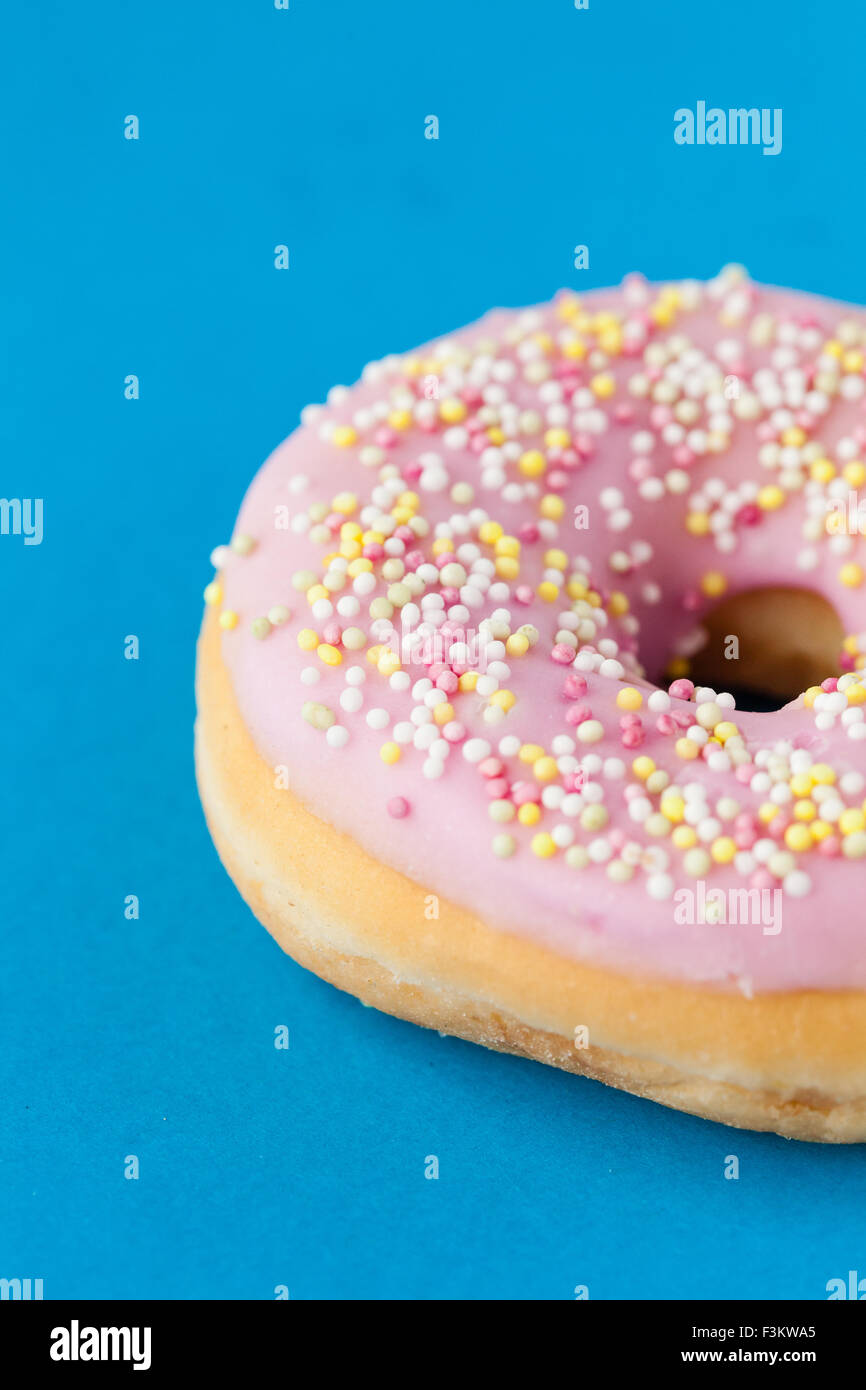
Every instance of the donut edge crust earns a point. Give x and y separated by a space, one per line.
792 1063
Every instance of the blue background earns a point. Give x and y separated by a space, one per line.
155 1038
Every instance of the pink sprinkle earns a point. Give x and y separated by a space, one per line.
574 687
528 532
683 456
332 632
523 792
523 595
745 772
829 684
762 878
491 767
398 807
631 721
446 558
574 781
632 737
373 551
497 788
749 515
576 714
447 682
666 724
454 731
450 595
831 847
413 559
681 689
744 839
562 654
385 437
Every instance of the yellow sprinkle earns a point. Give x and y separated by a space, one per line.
443 713
697 523
468 681
770 498
373 654
388 663
551 507
804 809
617 604
344 502
545 769
390 752
851 576
713 583
801 784
307 639
213 593
504 699
507 567
723 849
823 471
674 807
508 545
854 473
489 532
856 695
516 644
629 698
556 439
811 695
229 618
543 845
532 464
344 436
794 438
767 812
331 656
547 591
452 411
684 837
529 813
725 730
851 821
798 838
555 559
642 767
819 830
530 752
360 566
316 592
822 774
686 749
602 385
400 419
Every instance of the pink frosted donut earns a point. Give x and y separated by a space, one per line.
430 744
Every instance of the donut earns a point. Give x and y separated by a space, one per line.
479 736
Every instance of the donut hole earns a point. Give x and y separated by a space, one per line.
766 646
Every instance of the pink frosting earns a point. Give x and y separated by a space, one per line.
439 831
